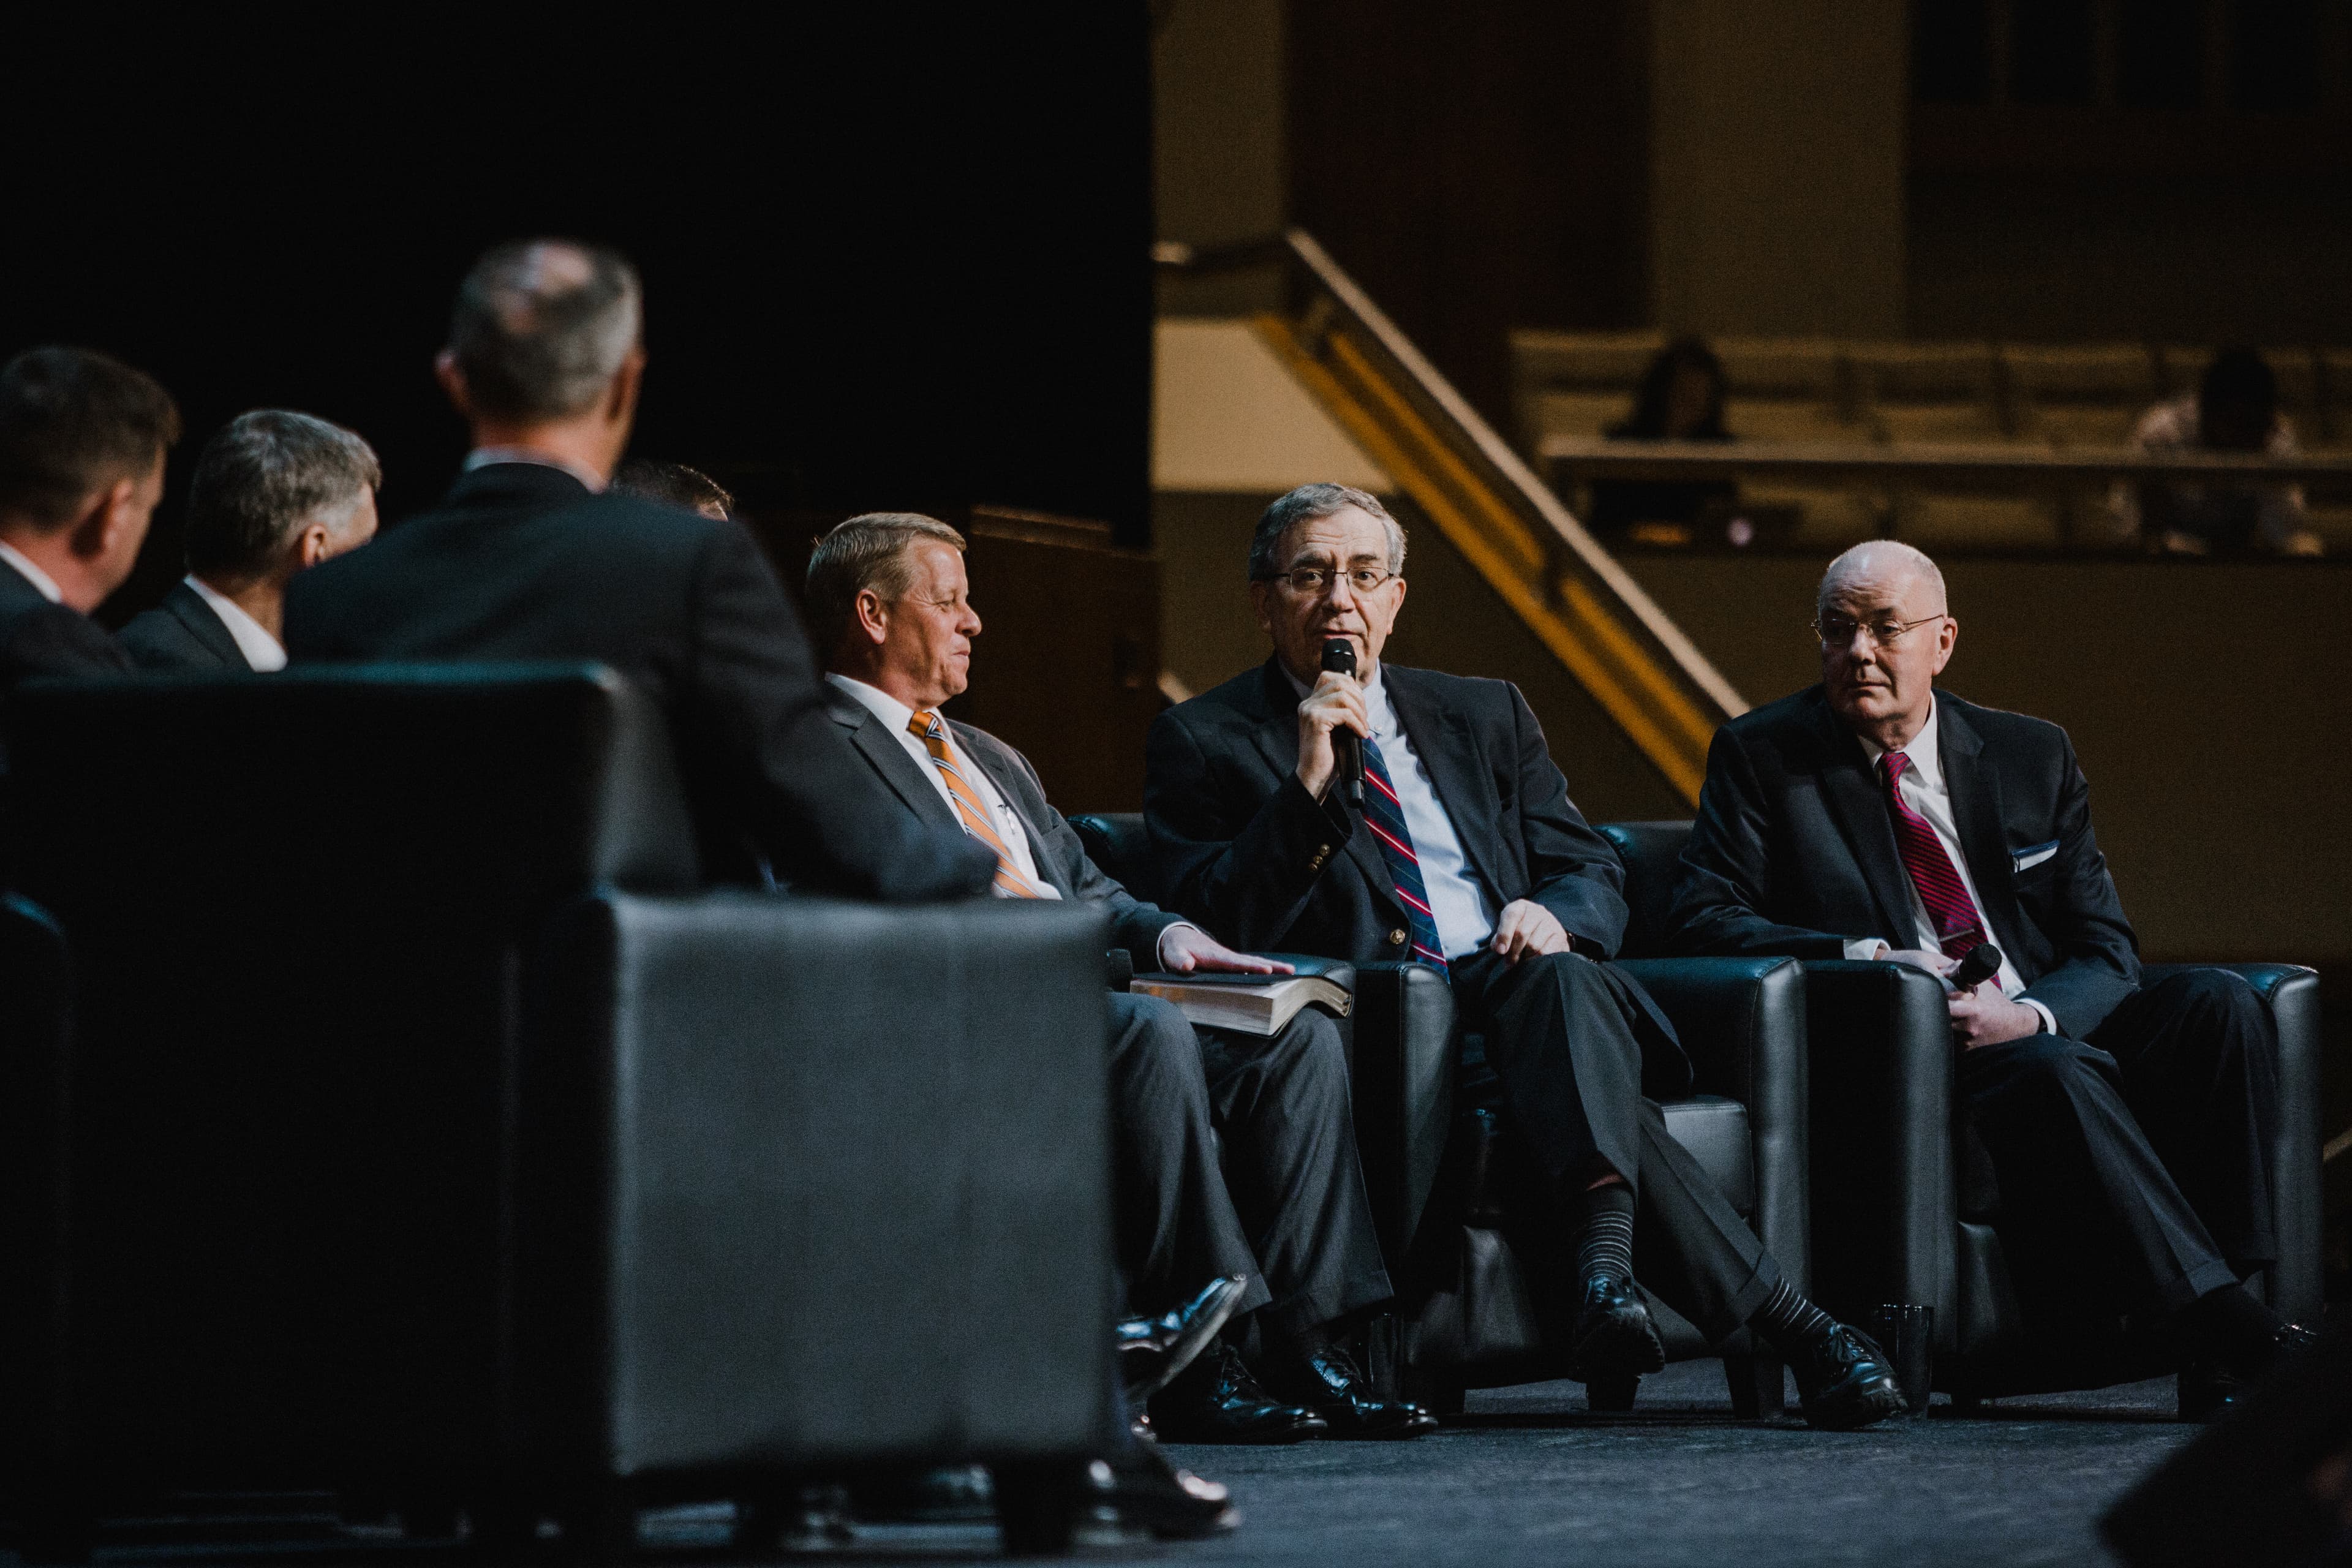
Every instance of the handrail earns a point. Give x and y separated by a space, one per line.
1589 455
1466 478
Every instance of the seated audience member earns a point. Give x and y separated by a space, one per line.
1286 1206
526 558
1468 856
675 484
2235 410
82 441
273 493
1680 399
1873 817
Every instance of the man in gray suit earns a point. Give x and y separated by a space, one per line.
274 492
889 606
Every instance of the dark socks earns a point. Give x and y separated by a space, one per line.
1788 1320
2230 1324
1604 1240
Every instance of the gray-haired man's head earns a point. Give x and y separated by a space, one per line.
542 327
1327 564
1306 504
276 492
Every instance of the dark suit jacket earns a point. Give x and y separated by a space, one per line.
1239 844
1794 850
1061 859
37 638
520 562
181 633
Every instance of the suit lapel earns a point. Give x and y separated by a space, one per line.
1466 789
203 624
1861 809
890 760
1976 812
1278 739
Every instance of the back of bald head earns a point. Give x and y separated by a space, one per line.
1884 563
541 327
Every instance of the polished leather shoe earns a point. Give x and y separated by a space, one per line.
1141 1489
1152 1351
1343 1396
1844 1380
1613 1338
1217 1401
2207 1389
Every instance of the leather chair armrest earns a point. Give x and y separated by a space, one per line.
2297 1284
1402 1056
1886 1203
769 1148
1743 1022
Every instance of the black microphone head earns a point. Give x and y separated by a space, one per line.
1980 963
1340 655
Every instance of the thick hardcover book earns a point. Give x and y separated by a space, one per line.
1255 1004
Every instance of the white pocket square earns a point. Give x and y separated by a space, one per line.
2026 859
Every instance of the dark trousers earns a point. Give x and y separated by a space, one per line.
1286 1204
2133 1167
1564 1035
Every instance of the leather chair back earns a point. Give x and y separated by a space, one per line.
299 910
1651 852
1116 842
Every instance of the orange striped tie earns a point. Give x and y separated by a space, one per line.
928 729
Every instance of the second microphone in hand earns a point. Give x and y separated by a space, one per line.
1346 750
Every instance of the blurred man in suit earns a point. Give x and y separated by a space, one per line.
1467 856
527 558
274 492
82 440
1874 816
890 604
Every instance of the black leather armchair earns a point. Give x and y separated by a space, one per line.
1482 1301
1904 1201
425 1129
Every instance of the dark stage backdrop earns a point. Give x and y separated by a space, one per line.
894 261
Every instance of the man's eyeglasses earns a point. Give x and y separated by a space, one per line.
1314 581
1839 631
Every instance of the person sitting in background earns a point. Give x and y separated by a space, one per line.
675 484
1680 399
527 558
82 442
1283 1204
274 492
2235 410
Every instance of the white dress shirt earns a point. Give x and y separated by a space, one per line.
1459 903
40 580
1925 792
262 651
895 716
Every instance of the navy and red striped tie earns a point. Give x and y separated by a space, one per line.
1959 927
1384 814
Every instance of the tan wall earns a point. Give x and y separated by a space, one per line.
1217 163
1776 165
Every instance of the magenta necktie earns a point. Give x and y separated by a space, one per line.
1940 888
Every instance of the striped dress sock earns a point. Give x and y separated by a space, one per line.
1788 1320
1605 1245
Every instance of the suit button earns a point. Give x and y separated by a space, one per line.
1397 937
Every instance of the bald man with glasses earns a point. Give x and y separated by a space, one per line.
1874 816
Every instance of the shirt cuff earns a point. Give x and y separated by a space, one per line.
2049 1019
1159 951
1863 947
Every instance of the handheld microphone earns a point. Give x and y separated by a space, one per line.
1346 749
1981 962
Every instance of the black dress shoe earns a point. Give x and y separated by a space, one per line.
1144 1491
1217 1401
1844 1380
1613 1339
2209 1389
1152 1351
1343 1396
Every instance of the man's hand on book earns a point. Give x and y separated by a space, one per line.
1184 948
